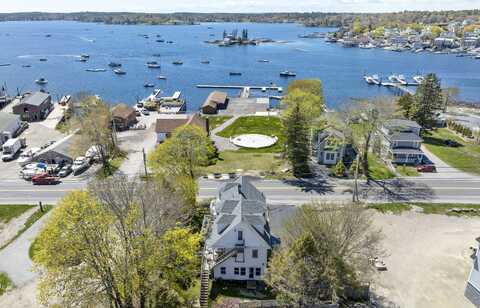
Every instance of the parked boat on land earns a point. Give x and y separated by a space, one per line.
119 71
287 74
96 70
41 81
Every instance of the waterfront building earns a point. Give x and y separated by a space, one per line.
123 117
34 107
167 123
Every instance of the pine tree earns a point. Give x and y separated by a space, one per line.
298 140
428 99
406 104
339 169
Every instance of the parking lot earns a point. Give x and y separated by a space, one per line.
36 135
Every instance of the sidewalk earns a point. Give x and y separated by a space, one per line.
223 144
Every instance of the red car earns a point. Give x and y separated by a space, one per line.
426 168
44 179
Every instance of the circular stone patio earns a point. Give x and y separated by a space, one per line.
254 141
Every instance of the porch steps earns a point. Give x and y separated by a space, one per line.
204 287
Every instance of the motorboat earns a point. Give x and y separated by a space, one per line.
205 61
418 78
96 70
80 164
84 55
41 81
235 74
82 60
148 85
152 62
287 74
402 79
160 41
263 61
177 62
114 64
119 71
43 59
393 78
27 156
153 65
26 65
368 79
4 64
161 77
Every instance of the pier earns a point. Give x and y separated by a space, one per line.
399 86
263 88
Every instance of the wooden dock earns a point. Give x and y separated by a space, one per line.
209 86
398 86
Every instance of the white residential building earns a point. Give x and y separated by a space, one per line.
239 241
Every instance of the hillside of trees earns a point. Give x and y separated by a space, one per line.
308 19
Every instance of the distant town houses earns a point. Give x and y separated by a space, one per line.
238 239
453 38
401 142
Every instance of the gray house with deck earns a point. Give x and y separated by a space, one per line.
401 141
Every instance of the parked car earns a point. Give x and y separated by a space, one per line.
65 171
452 143
80 164
44 179
426 168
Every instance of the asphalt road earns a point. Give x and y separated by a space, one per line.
459 190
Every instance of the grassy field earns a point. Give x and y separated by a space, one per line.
407 171
378 170
30 221
216 121
5 283
466 157
10 211
395 208
231 161
428 208
271 126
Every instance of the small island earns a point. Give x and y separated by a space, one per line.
233 38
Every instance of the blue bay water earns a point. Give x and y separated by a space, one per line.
340 69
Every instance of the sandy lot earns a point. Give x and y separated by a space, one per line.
24 297
427 258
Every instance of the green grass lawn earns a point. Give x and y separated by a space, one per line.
407 170
231 161
465 157
216 121
378 169
5 283
271 126
395 208
10 211
30 221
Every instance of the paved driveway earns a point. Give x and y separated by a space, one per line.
445 171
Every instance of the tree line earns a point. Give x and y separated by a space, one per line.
371 20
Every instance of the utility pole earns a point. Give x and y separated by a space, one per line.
145 162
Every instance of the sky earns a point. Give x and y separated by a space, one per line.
234 6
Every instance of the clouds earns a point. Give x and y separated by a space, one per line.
257 6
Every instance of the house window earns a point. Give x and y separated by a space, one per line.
240 235
235 270
329 156
258 271
255 253
223 270
243 271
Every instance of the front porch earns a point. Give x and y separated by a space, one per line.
406 156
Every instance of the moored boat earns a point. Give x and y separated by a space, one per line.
418 78
177 62
148 85
114 64
96 70
161 77
119 71
287 74
41 81
235 74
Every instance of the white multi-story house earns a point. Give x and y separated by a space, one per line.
401 141
329 147
239 241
